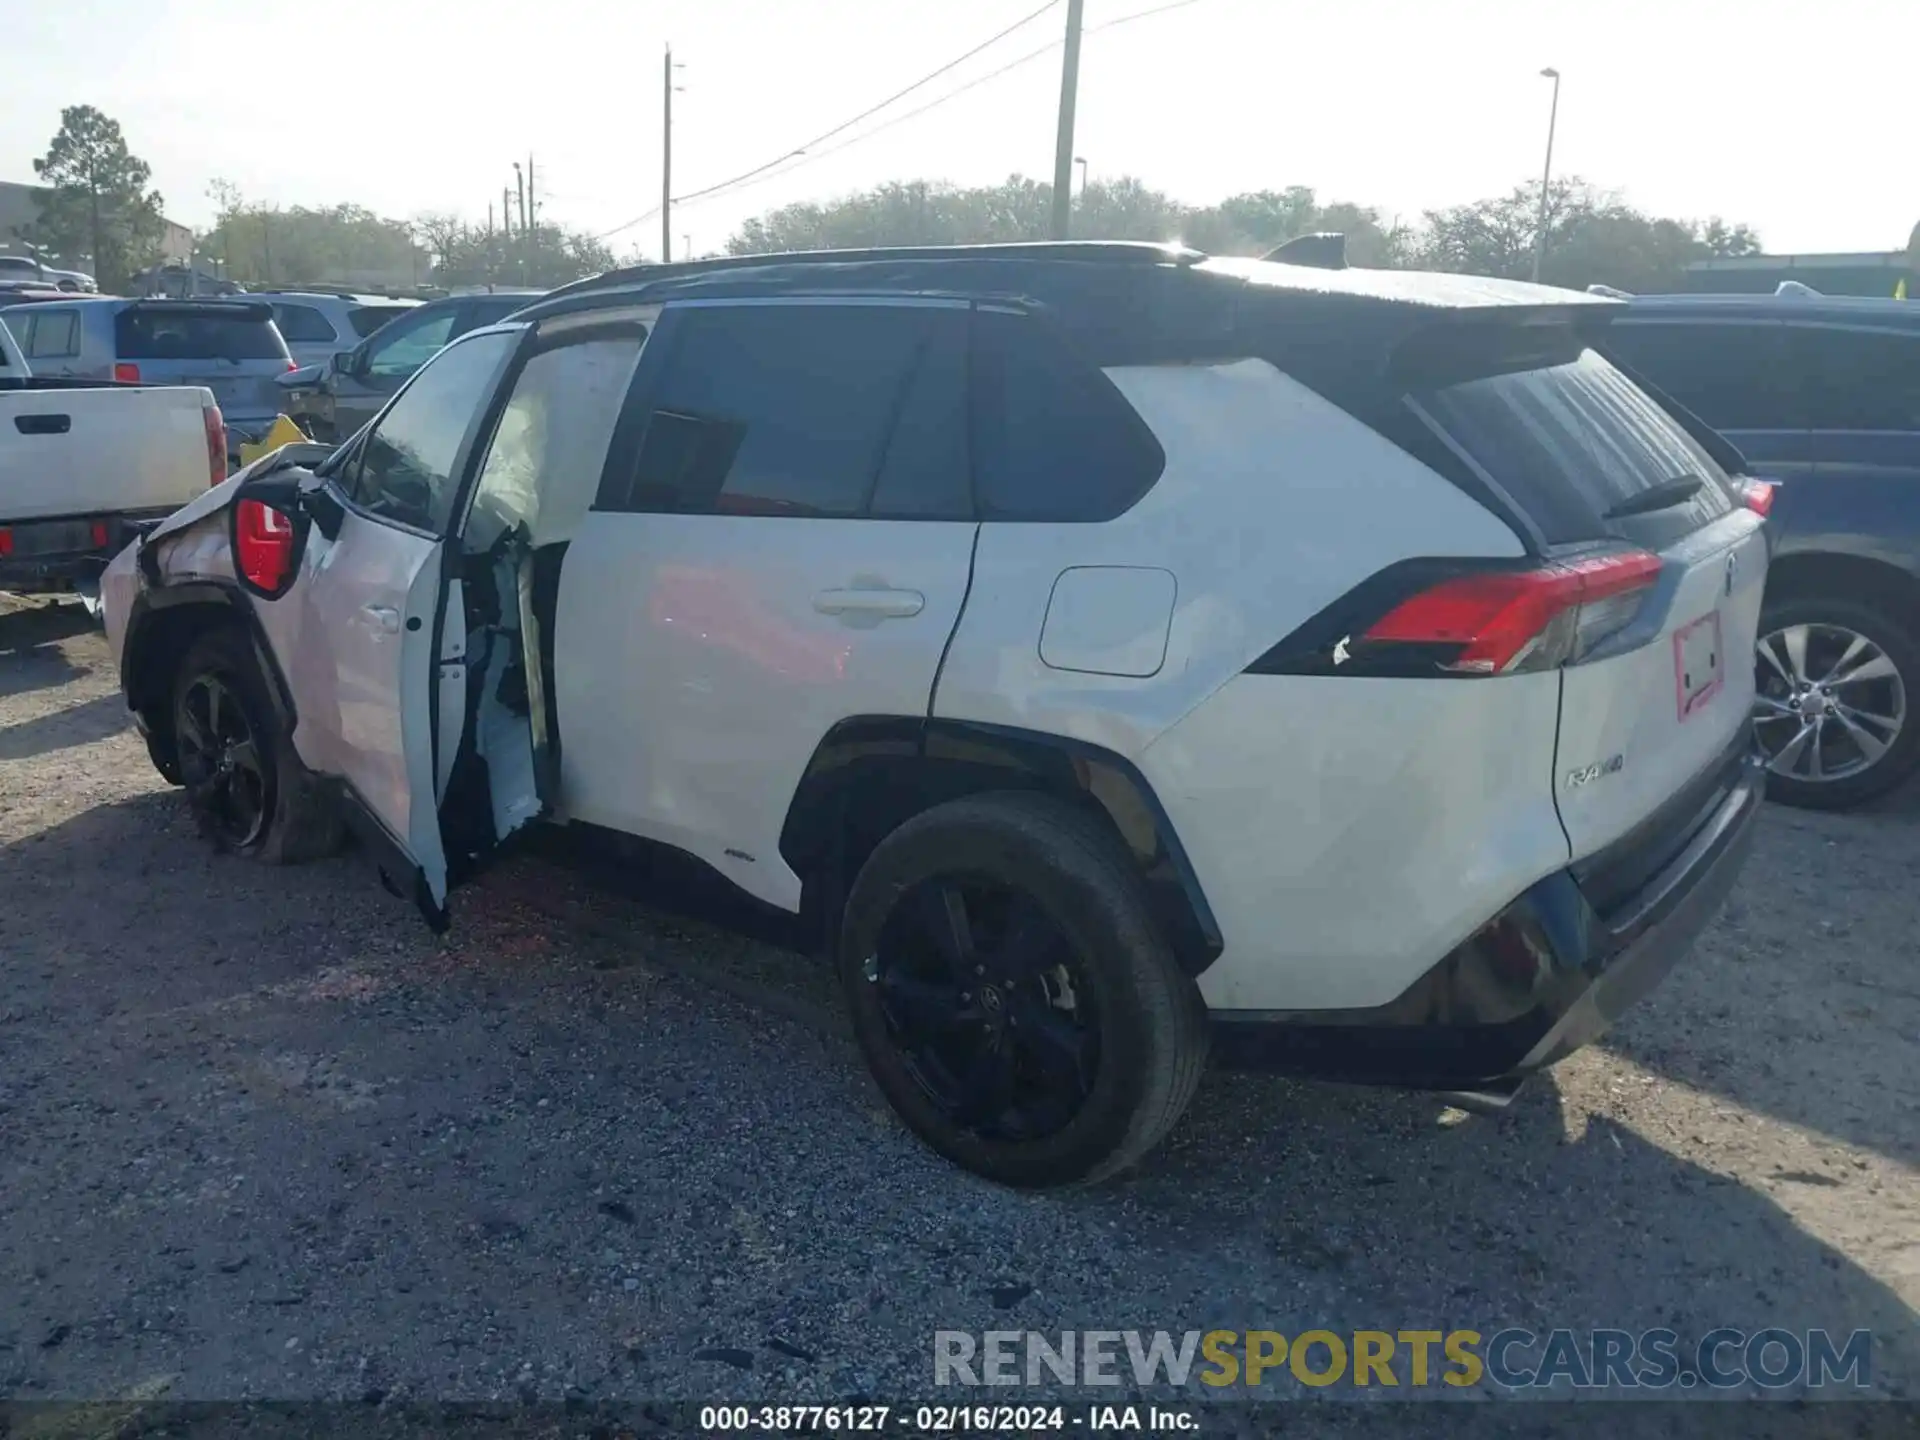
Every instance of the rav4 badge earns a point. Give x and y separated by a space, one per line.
1612 765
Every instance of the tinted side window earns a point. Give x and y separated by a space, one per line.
1858 379
779 409
369 318
550 445
1052 438
404 347
1732 376
55 335
302 324
405 469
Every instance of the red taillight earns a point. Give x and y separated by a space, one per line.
216 424
264 539
127 374
292 365
99 533
1502 621
1757 495
6 543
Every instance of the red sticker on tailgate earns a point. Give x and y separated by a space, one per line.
1699 664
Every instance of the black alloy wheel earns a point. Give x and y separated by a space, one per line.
989 1006
228 781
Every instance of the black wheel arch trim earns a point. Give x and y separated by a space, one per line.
154 600
958 757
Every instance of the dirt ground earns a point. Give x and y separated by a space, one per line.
261 1135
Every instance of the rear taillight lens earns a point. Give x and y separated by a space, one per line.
1503 622
6 543
292 365
126 374
99 534
216 424
1756 495
264 539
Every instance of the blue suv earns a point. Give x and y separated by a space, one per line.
1823 395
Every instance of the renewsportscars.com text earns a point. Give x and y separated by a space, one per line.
1511 1359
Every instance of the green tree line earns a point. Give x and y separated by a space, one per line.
103 210
1593 236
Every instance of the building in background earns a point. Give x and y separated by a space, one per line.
20 213
1882 273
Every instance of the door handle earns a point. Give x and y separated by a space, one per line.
43 424
384 617
870 605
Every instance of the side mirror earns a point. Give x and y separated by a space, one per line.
347 362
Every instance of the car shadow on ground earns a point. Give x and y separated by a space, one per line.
80 724
1275 1205
30 653
1802 1001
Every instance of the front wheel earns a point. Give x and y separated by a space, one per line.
246 787
1013 998
1833 685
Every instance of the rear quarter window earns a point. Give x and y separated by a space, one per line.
1052 438
302 324
167 334
1576 446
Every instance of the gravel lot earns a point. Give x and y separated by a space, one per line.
261 1135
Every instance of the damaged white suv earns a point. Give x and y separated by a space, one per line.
1129 655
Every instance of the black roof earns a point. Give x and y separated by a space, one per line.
1122 303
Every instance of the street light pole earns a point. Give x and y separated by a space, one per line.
1081 161
1546 175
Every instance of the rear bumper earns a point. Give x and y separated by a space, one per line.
54 565
1546 976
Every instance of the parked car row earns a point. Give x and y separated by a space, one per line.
1329 671
27 270
84 466
1821 394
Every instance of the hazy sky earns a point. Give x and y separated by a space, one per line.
1797 118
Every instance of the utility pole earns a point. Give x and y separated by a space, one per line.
1063 141
506 212
666 161
520 184
533 206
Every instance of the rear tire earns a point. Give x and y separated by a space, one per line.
247 788
1000 911
1863 732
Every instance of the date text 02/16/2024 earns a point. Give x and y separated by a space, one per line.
943 1419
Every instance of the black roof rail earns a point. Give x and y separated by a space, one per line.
1326 250
1095 252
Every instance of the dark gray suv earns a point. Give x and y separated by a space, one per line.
1821 394
331 402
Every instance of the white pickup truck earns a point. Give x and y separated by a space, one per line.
85 466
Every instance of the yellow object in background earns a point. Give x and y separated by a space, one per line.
1900 289
283 432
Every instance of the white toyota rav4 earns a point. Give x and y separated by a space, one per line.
1128 654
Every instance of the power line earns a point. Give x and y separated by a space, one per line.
807 155
845 124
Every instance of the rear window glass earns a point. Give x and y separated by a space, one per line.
369 318
1578 446
302 324
142 334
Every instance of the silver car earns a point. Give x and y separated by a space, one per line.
319 324
229 346
24 268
